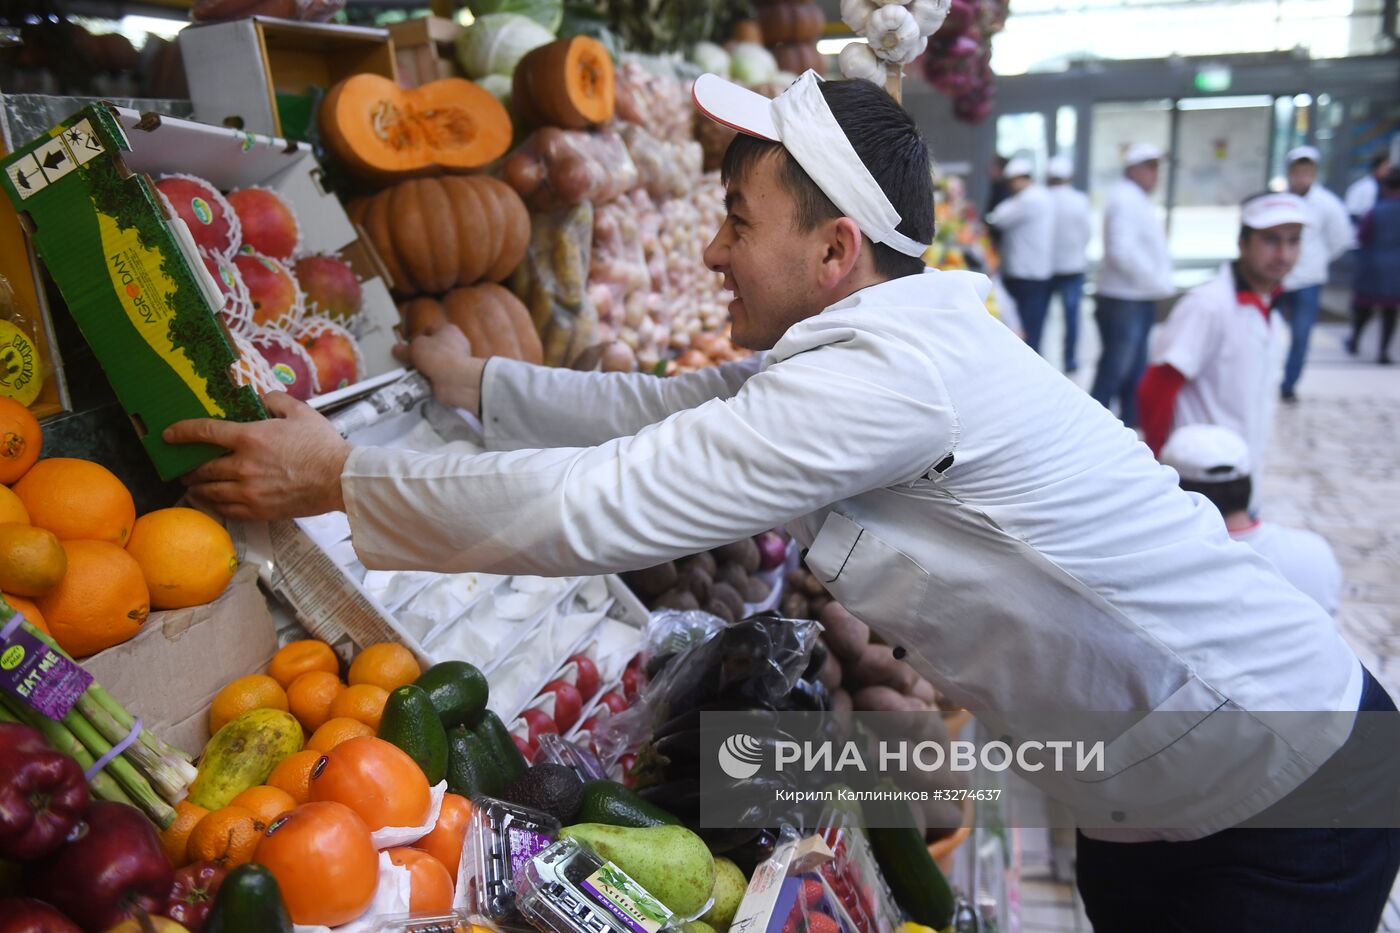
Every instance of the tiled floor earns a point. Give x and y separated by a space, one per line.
1334 467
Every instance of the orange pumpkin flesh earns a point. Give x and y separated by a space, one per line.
382 131
568 83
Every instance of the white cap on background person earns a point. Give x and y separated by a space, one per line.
1207 453
1018 167
1061 166
1139 153
1273 210
1300 153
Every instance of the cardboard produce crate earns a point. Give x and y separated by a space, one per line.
425 49
127 271
237 71
169 674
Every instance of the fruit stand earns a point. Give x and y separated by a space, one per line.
238 727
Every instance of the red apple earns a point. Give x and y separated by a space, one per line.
613 701
269 226
583 674
271 287
289 362
237 310
566 704
208 215
192 895
26 915
108 870
330 286
333 354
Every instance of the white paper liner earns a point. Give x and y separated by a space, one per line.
237 311
312 307
279 338
235 227
296 247
391 897
391 837
251 369
297 311
310 327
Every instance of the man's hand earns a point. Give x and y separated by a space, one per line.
286 467
444 355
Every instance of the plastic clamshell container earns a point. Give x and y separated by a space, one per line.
501 838
568 888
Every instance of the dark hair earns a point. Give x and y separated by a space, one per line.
1391 181
1378 160
888 143
1229 497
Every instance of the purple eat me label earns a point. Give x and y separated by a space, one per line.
44 679
525 844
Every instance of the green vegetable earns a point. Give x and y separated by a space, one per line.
548 13
914 877
249 899
471 767
496 43
411 723
611 803
457 690
507 755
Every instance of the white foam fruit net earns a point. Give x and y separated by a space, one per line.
251 369
314 325
235 227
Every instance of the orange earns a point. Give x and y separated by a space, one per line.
363 702
102 600
324 861
228 836
32 561
20 440
449 833
11 508
385 665
429 884
265 803
310 697
293 774
31 612
335 731
256 691
187 557
175 838
375 779
77 499
298 657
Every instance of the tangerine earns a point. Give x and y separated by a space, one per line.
296 658
264 802
310 697
100 602
77 499
429 885
256 691
20 440
31 612
385 665
361 702
187 558
324 861
335 731
293 774
228 837
32 561
376 779
175 838
11 507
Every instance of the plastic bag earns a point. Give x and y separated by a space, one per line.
557 168
311 11
552 281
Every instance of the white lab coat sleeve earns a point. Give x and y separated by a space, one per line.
1012 213
523 405
1188 339
1123 240
1337 229
817 428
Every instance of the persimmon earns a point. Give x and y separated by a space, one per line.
376 779
449 833
429 884
324 861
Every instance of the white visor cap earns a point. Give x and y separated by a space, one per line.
800 119
1139 153
1273 210
1207 453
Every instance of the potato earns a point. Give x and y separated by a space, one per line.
697 581
720 609
733 574
797 580
879 699
830 673
704 560
845 635
726 594
683 600
814 587
743 552
652 581
878 667
756 590
794 606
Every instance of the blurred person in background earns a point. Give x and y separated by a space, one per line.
1363 193
1377 283
998 190
1327 235
1214 461
1071 244
1216 357
1136 272
1026 220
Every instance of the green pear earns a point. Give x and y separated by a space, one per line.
730 885
699 926
669 861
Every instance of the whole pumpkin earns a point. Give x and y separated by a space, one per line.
493 319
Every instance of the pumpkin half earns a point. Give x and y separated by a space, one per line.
568 83
382 131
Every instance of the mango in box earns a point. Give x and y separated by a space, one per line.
138 297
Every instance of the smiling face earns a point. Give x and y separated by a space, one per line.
769 264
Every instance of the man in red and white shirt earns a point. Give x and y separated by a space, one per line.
1218 356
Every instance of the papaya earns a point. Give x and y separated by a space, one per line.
242 754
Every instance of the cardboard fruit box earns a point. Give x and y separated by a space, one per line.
131 274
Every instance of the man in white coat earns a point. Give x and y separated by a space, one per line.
1136 272
1073 228
951 489
1027 223
1326 237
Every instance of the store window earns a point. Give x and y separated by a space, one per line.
1220 157
1066 131
1116 126
1023 134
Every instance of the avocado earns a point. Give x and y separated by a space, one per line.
411 723
458 692
472 769
249 899
550 787
612 803
506 753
